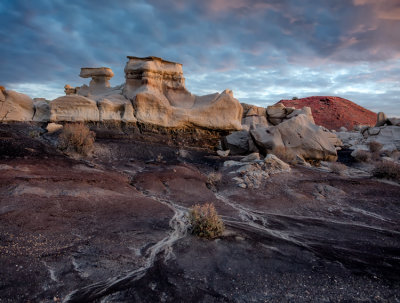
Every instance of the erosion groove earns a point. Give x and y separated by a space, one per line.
178 224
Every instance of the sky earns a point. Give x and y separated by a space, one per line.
263 50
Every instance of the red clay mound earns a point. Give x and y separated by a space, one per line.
334 112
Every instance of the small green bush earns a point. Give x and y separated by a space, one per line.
387 170
76 137
205 222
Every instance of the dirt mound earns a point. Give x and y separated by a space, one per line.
334 112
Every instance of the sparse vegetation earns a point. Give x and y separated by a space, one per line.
375 146
205 222
213 179
338 168
387 170
395 155
77 138
295 98
362 156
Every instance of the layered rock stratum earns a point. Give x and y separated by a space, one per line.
334 112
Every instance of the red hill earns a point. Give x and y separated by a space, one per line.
334 112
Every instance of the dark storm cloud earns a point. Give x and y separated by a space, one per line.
263 50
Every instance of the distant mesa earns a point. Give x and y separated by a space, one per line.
334 112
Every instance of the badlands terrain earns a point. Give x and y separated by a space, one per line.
111 224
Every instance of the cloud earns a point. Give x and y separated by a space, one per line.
260 49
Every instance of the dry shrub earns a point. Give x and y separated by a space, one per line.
387 170
374 146
338 168
76 137
213 179
205 221
395 155
362 156
284 154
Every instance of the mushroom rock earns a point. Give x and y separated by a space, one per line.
253 116
15 106
73 108
157 90
100 79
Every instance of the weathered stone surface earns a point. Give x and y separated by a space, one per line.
253 110
251 157
157 90
73 108
69 90
276 111
394 121
388 136
304 138
267 138
302 111
223 153
274 165
253 122
15 106
381 119
42 111
239 143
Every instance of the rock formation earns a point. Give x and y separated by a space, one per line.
386 132
292 130
154 93
157 90
334 112
15 106
69 90
100 80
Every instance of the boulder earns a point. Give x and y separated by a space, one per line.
223 153
239 143
302 137
276 111
274 165
394 121
303 111
253 122
42 110
250 158
253 110
373 131
15 106
73 108
53 127
267 139
381 119
157 90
